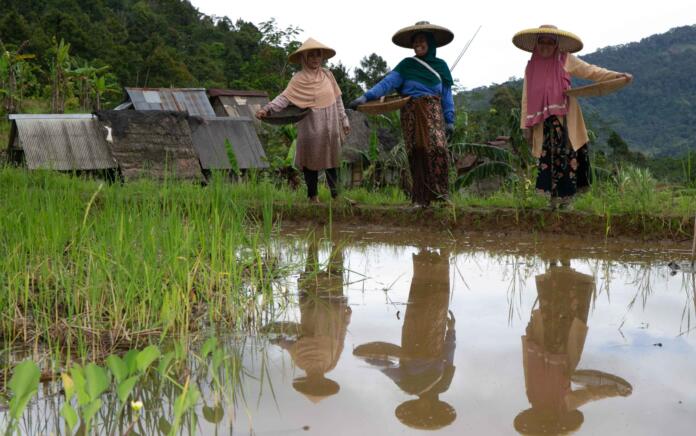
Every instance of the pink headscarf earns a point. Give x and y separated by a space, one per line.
547 81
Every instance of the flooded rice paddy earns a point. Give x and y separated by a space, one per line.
380 331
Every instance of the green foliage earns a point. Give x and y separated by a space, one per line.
372 69
232 156
349 87
187 400
160 43
24 384
500 162
87 384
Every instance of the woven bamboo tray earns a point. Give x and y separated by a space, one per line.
384 105
289 115
599 88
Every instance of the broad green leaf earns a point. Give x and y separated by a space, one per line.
68 386
97 380
24 384
146 357
18 404
130 360
118 367
208 347
90 410
124 389
218 357
70 416
164 363
78 377
25 378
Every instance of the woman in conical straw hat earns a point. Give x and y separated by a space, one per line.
552 120
321 133
428 118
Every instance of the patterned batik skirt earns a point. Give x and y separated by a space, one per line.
562 171
423 127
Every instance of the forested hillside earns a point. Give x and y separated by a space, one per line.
657 113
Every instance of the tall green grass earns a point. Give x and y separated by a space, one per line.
89 266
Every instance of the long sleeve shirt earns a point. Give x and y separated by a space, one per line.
577 132
394 81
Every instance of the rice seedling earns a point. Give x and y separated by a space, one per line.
91 267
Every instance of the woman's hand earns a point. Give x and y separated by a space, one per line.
357 102
346 129
261 113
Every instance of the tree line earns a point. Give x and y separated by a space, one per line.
81 54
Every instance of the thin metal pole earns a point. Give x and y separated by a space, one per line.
466 47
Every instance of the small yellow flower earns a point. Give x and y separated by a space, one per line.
136 405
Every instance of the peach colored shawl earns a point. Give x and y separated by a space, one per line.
314 89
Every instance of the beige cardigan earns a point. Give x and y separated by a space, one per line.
577 132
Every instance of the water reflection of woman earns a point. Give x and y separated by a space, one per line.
316 343
551 351
424 363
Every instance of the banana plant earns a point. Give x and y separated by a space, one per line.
499 162
12 67
60 79
86 76
514 164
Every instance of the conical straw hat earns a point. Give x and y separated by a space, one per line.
527 39
404 37
311 44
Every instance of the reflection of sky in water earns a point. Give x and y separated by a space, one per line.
492 296
492 303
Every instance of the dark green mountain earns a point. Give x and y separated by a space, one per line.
657 113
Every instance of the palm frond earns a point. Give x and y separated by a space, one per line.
599 173
484 171
486 151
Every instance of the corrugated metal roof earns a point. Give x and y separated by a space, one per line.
50 117
191 100
237 106
216 92
63 143
209 137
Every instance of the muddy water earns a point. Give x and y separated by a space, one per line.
482 336
395 332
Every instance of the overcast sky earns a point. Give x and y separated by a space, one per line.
356 28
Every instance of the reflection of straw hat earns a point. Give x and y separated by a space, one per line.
311 44
316 388
527 39
404 37
425 414
533 421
